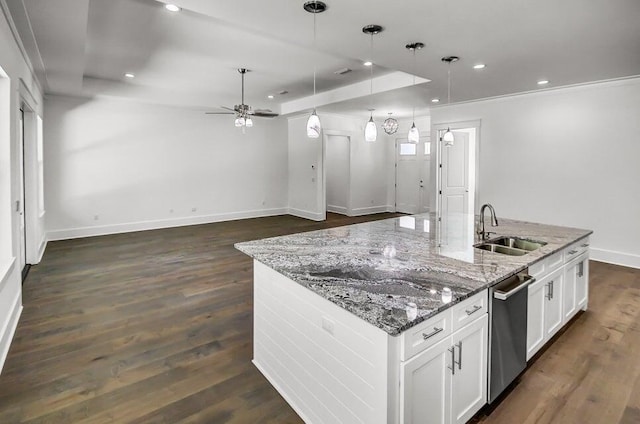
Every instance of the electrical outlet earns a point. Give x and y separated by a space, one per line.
96 217
170 210
328 325
194 209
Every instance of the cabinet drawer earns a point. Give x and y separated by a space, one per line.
546 265
469 309
426 334
576 249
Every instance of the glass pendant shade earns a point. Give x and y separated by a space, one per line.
370 131
239 121
414 134
448 138
313 125
248 122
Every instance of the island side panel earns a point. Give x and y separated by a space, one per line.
330 366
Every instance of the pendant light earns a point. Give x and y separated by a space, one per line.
448 135
414 134
370 130
313 123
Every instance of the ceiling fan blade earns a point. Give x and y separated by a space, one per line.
263 114
228 108
219 113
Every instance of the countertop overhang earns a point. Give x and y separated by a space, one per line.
397 272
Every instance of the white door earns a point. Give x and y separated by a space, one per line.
425 386
337 157
454 175
19 206
535 316
412 176
553 306
469 388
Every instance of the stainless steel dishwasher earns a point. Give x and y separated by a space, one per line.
508 336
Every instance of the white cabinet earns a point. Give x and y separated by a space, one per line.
558 294
544 310
447 383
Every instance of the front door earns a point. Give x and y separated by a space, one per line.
412 176
19 206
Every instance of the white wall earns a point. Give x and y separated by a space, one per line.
16 81
114 165
568 157
337 160
368 188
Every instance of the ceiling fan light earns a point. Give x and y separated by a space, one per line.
248 122
414 134
370 131
313 125
448 138
239 121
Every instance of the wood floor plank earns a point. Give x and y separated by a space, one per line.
156 327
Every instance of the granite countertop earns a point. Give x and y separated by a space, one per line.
398 272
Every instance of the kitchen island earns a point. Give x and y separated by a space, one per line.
341 316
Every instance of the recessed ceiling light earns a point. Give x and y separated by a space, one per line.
479 66
129 75
270 96
172 7
435 100
368 63
543 82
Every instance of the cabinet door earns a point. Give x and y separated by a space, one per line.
553 303
582 282
535 316
469 388
425 386
569 307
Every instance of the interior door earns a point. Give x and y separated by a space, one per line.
19 207
412 176
454 188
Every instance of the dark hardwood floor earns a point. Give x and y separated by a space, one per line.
156 326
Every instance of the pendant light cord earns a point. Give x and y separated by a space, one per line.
315 51
371 79
414 84
449 84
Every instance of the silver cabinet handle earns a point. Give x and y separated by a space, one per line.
460 355
452 350
585 245
473 310
580 269
435 331
572 252
551 285
548 295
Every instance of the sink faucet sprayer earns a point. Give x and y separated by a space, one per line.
494 221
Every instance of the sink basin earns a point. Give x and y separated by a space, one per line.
518 243
505 250
512 246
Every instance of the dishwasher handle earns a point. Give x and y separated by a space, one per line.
524 281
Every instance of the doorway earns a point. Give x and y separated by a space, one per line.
457 180
413 175
20 203
337 167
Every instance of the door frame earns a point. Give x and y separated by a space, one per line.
323 192
437 130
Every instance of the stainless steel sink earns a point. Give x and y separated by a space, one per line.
512 246
518 243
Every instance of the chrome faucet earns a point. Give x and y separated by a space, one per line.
494 221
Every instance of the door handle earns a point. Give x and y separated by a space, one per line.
452 350
17 206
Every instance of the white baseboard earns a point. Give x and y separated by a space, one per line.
314 216
338 209
72 233
282 393
371 210
8 329
616 258
42 248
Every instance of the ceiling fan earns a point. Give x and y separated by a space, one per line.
244 112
